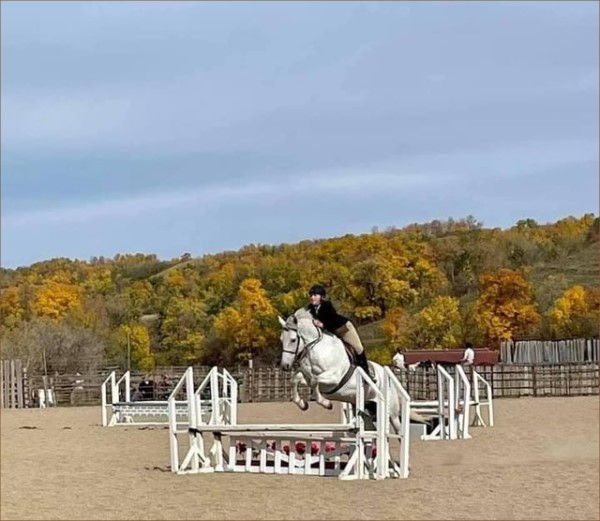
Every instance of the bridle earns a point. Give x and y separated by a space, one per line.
307 346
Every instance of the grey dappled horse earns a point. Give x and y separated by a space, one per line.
323 363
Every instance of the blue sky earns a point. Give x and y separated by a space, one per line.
165 127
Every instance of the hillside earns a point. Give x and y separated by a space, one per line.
422 281
549 279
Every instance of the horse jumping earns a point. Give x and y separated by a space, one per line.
322 361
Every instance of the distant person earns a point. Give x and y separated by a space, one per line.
146 388
468 356
78 390
398 360
164 387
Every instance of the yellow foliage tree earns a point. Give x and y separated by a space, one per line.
139 298
99 281
138 340
11 310
573 314
248 325
380 283
227 326
505 306
437 326
56 299
181 330
396 328
175 279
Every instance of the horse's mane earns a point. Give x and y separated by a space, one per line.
302 313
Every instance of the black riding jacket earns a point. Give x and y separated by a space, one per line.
327 314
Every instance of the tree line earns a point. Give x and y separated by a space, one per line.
424 286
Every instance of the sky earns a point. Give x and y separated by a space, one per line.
198 127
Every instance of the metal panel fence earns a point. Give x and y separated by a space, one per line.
549 351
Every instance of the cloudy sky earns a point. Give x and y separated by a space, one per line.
201 127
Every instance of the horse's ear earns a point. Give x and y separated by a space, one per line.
281 321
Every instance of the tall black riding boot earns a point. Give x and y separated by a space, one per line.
361 360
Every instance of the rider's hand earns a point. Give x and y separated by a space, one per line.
318 323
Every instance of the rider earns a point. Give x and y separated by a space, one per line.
326 317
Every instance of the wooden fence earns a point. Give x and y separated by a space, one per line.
507 380
550 351
14 384
273 385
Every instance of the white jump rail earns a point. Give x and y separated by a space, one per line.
331 442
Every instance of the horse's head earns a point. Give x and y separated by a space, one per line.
296 334
291 342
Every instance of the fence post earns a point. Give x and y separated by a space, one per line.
19 379
1 384
6 386
250 374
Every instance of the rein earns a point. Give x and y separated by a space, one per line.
307 346
305 351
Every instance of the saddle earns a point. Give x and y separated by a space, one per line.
347 347
351 354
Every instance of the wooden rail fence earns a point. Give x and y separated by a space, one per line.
507 380
14 384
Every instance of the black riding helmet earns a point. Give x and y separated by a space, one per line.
317 289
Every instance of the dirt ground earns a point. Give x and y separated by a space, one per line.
540 461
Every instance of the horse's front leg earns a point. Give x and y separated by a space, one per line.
321 400
297 379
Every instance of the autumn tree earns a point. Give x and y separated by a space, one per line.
250 324
505 307
55 299
379 283
135 340
437 326
182 332
11 307
573 314
397 327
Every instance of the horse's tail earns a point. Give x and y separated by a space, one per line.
419 418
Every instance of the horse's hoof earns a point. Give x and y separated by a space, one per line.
329 406
303 404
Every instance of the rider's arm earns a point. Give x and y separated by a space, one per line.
329 317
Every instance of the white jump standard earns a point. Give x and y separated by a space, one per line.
146 412
456 396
